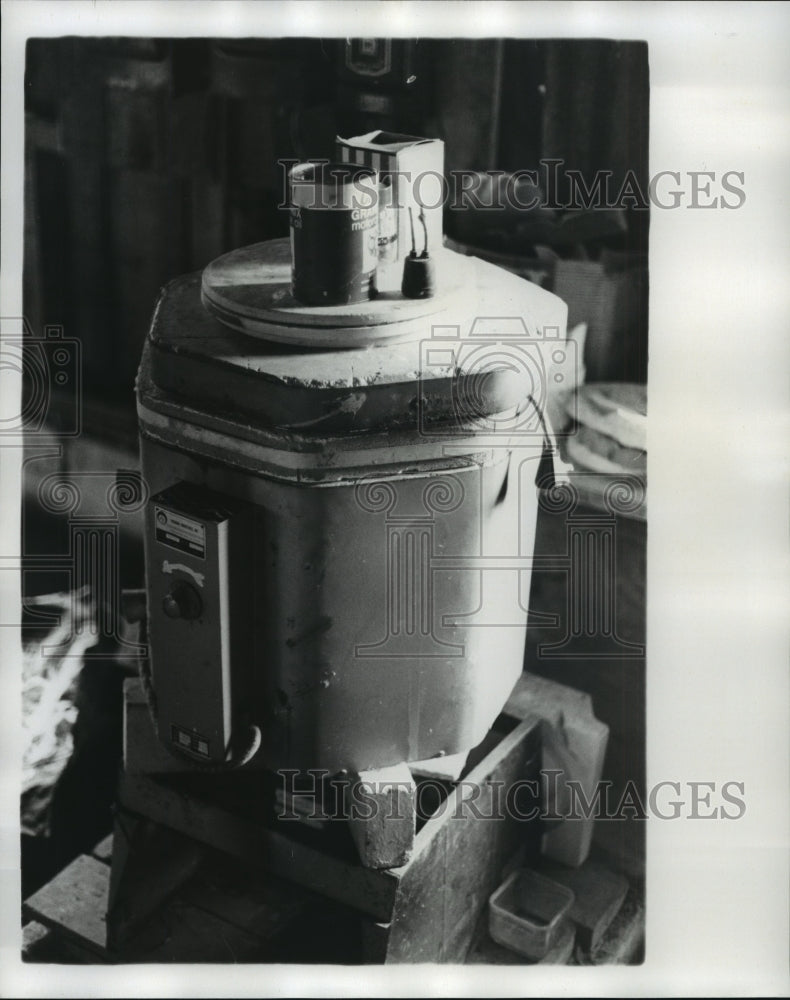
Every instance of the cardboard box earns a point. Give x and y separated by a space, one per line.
416 166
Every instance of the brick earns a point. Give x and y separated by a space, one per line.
386 838
75 903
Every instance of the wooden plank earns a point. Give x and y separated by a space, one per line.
372 892
75 903
458 859
511 746
432 902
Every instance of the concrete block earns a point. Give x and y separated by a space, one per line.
381 805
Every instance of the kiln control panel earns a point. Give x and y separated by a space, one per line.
198 567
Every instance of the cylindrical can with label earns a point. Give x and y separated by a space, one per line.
334 233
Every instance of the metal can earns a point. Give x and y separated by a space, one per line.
334 233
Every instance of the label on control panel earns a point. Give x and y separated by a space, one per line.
180 532
188 739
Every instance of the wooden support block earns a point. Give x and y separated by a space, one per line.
459 857
424 910
75 903
302 859
382 812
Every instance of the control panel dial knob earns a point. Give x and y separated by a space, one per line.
182 601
